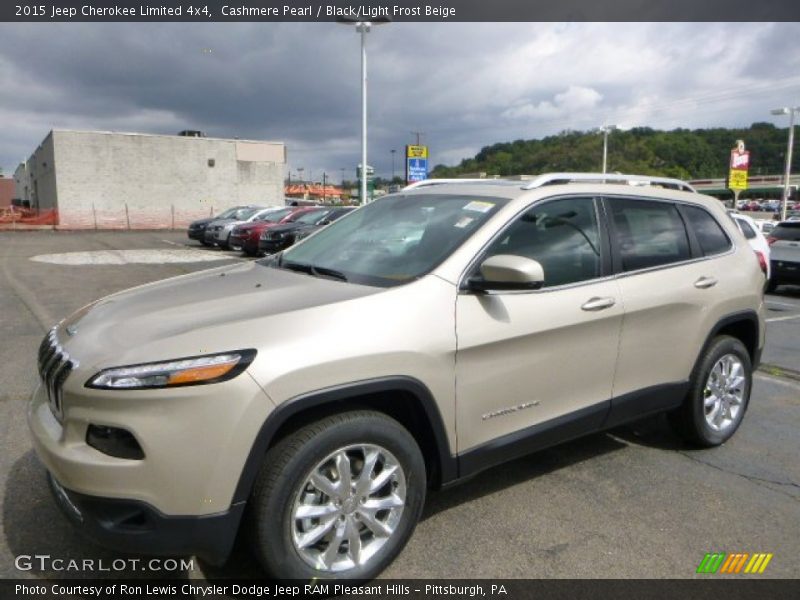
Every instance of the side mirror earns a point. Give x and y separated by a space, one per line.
508 272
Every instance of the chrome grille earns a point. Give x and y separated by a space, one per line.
55 365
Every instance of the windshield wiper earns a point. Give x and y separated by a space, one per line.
311 269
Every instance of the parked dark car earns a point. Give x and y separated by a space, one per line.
246 235
281 237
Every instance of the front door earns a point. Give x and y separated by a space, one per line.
539 363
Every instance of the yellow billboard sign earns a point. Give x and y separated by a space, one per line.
416 152
737 179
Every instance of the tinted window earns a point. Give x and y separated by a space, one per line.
275 216
787 231
745 228
709 233
648 233
561 235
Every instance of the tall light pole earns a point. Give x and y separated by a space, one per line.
787 110
363 27
393 151
605 130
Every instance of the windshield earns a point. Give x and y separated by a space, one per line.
392 240
310 218
273 216
244 213
228 214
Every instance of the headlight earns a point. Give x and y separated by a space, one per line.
193 370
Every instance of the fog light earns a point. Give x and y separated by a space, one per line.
114 442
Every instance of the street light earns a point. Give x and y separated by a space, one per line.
393 151
786 110
363 27
605 130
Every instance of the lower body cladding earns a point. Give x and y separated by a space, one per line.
176 495
135 527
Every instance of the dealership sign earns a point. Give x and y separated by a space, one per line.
416 163
740 164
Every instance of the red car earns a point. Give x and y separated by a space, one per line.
246 235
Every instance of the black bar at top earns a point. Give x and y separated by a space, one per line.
399 10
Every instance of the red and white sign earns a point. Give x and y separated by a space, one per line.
740 160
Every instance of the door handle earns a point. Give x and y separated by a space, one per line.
598 303
705 282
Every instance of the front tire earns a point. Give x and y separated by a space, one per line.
718 395
338 499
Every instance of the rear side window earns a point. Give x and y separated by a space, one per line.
709 233
648 233
745 228
789 232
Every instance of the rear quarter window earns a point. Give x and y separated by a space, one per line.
709 233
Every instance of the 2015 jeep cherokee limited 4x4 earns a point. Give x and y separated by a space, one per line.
314 396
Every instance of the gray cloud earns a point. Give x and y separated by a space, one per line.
464 85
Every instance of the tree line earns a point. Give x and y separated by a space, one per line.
681 153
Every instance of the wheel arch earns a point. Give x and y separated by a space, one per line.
405 399
744 326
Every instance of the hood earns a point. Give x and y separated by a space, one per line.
216 310
200 222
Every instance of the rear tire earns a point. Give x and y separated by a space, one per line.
718 395
315 512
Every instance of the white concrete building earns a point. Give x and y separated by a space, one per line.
109 180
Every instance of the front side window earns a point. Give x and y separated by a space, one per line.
709 233
562 235
648 233
392 240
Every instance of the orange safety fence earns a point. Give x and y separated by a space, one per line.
28 216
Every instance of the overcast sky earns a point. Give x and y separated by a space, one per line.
464 85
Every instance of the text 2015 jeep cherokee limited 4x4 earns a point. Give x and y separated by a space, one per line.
421 338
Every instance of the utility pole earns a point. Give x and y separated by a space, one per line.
393 152
324 182
418 134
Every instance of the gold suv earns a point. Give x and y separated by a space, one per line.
311 398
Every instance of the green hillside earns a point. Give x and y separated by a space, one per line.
682 153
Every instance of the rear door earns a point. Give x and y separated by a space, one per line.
668 277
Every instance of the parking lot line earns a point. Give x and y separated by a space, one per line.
773 303
787 318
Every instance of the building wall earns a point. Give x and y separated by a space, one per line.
35 179
6 191
115 180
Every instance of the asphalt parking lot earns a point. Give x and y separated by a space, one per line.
634 502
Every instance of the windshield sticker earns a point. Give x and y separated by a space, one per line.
481 207
463 222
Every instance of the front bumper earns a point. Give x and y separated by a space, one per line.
271 246
130 526
196 234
